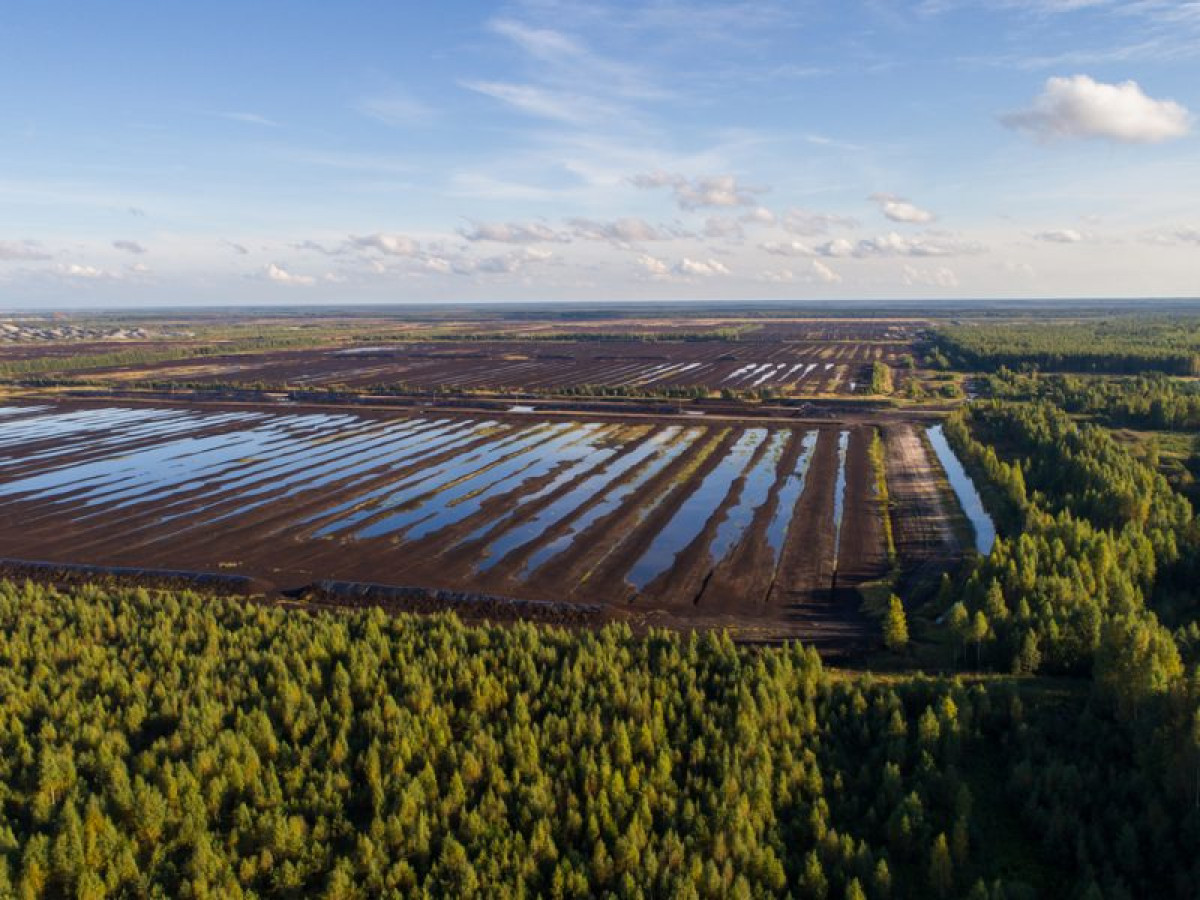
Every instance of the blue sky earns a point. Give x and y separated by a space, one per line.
303 152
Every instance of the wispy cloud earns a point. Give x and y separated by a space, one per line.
544 103
394 107
248 118
25 251
129 247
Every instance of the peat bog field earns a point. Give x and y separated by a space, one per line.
766 528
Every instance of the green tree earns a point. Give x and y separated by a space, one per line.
941 868
895 625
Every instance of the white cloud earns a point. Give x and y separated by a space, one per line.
702 268
654 266
129 246
824 273
79 270
788 248
1062 236
777 276
390 244
25 251
900 210
626 230
686 269
513 233
838 247
278 274
893 244
697 193
942 277
808 223
1080 107
760 215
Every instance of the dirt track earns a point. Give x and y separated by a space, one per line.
925 533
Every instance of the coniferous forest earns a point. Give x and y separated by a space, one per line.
179 746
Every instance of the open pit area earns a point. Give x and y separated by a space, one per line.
706 358
765 527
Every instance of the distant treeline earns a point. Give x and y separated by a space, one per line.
1151 401
170 745
731 333
1127 346
120 359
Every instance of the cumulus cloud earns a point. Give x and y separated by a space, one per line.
389 244
893 244
278 274
698 193
686 268
86 272
24 251
1080 107
808 223
788 248
629 230
700 268
839 247
513 233
1062 236
654 266
129 246
900 210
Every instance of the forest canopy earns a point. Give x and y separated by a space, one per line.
173 745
